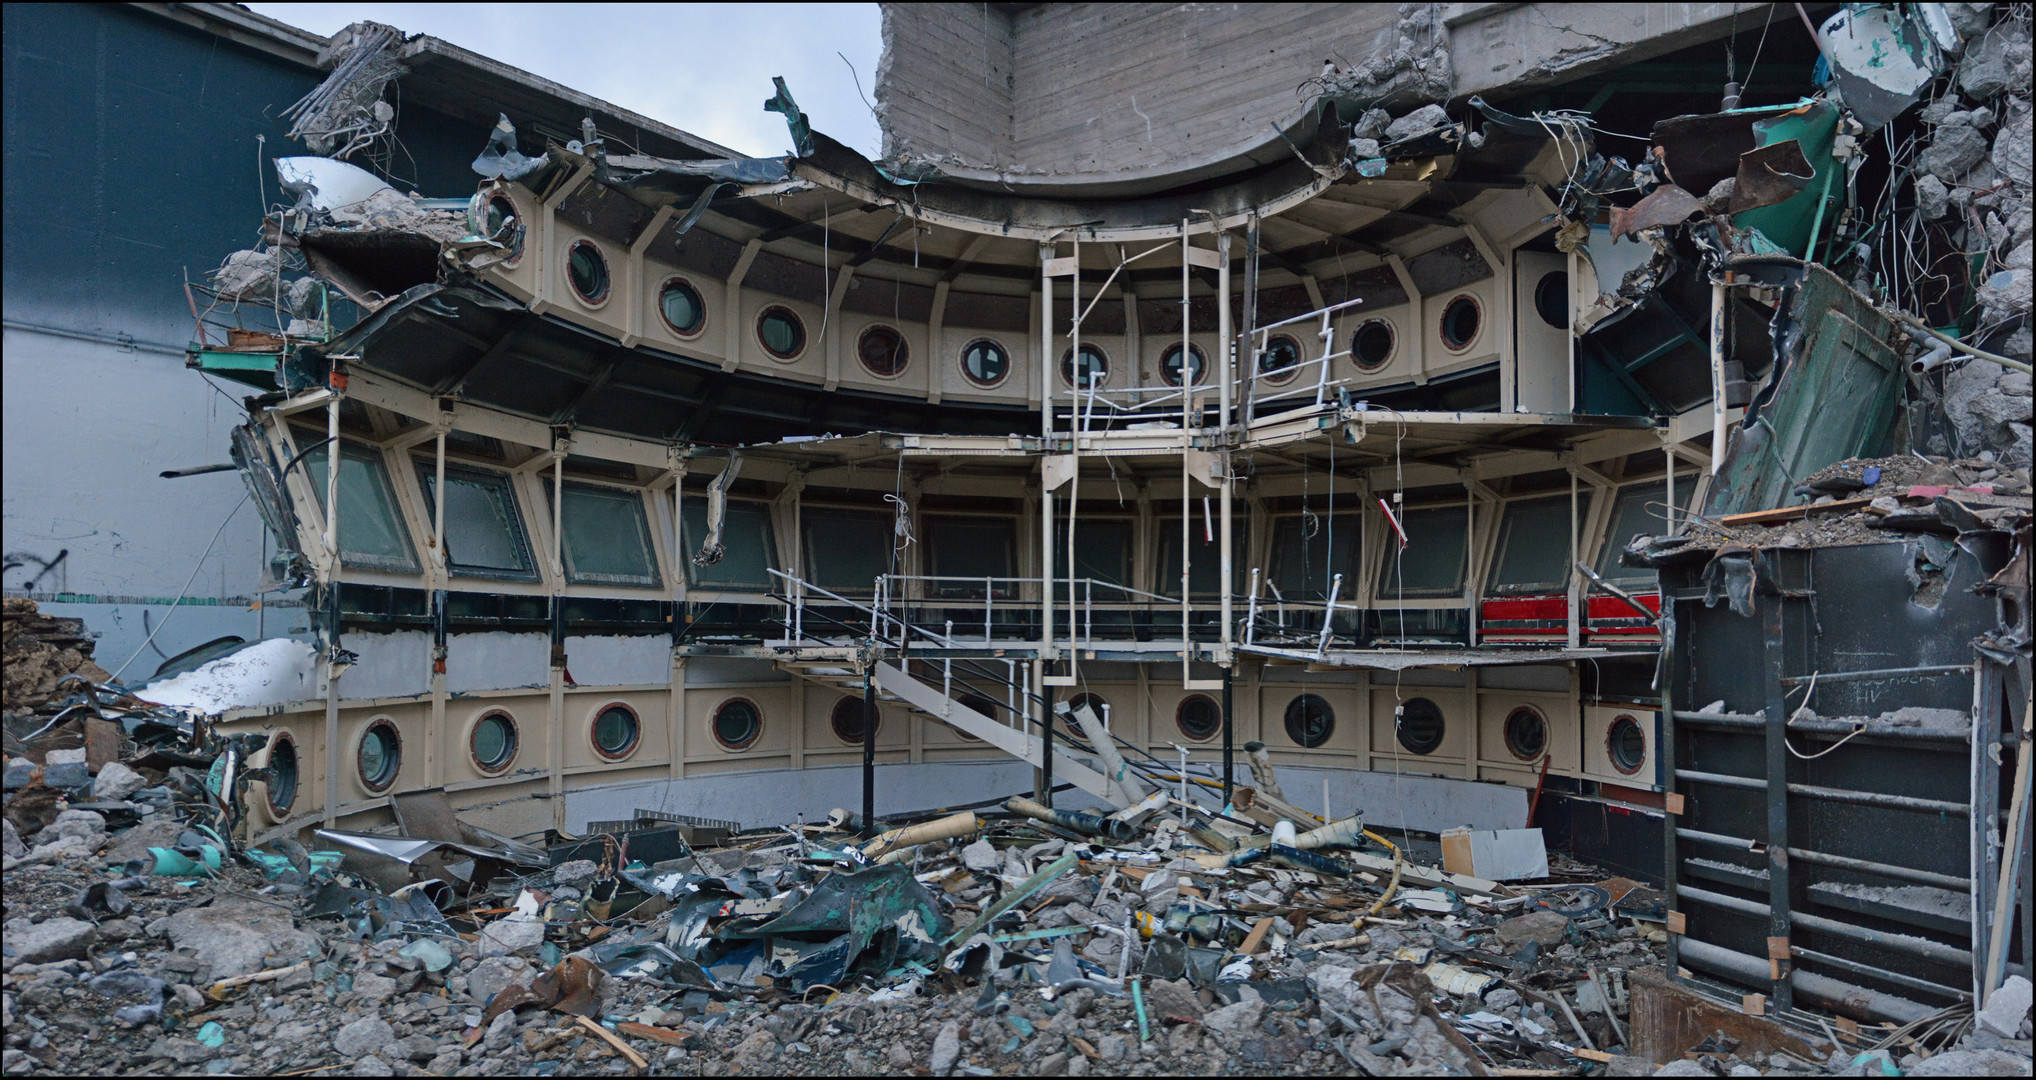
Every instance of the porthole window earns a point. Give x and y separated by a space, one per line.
492 743
781 333
1420 726
882 351
282 774
1371 347
494 216
981 704
1095 704
679 304
1626 744
1199 717
380 756
1170 365
1310 720
1461 321
587 272
737 724
1526 733
985 363
1551 298
616 732
1280 361
1095 368
847 720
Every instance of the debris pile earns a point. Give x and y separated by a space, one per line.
1003 939
39 652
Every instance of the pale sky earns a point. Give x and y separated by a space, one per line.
704 68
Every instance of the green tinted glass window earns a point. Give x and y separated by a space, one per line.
681 306
483 529
1533 552
1640 509
1102 551
1303 565
749 547
1205 557
607 536
847 549
1432 563
971 547
371 531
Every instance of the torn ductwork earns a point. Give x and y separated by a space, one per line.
346 113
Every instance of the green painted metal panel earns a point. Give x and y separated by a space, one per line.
1788 223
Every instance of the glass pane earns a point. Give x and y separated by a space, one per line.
1432 564
682 307
1205 558
1534 544
483 534
847 549
749 546
1102 551
1640 509
491 741
970 547
371 529
615 730
984 362
607 538
1303 565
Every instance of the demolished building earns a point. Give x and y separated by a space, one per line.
1595 443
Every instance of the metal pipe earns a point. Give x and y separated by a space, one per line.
1856 798
869 752
1228 733
1651 617
1717 380
1878 674
1864 866
1914 946
1087 824
1820 988
1870 971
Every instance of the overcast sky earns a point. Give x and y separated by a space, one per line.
705 68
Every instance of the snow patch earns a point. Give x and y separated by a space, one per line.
270 672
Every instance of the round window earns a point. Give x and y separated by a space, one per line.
683 310
1371 347
737 723
1526 733
985 363
1280 361
781 333
587 272
1551 298
1460 323
380 755
616 731
282 774
1626 744
847 719
882 351
493 742
494 216
1095 367
1170 365
1420 725
980 704
1310 720
1094 703
1199 717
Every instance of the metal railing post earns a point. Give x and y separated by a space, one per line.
1329 615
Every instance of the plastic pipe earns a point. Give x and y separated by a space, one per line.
947 828
1116 829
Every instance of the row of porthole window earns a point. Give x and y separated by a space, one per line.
737 723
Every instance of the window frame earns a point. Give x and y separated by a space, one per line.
1200 364
1392 345
699 297
834 719
904 351
805 340
1382 591
689 544
1181 726
1067 366
1502 537
807 520
594 729
714 724
576 576
512 746
364 455
1288 374
607 274
281 741
394 756
519 531
1287 719
961 362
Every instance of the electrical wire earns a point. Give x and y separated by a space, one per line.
186 590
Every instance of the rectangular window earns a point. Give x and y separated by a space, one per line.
1205 558
1641 509
371 531
749 547
846 550
971 547
1102 551
1432 563
483 531
1307 553
1533 551
607 537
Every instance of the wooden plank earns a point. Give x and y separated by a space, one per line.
1257 936
1790 513
615 1041
655 1034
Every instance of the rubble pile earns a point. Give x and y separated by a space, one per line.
39 651
1873 501
1007 940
